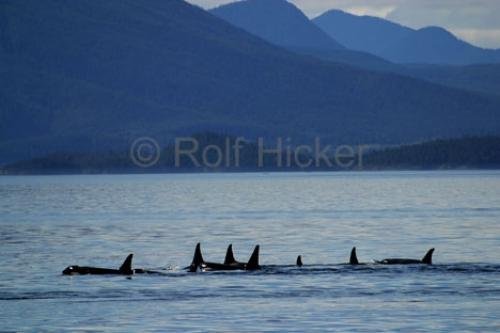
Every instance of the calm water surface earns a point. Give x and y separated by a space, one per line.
48 223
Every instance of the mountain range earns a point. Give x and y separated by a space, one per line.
400 44
278 22
365 34
94 76
282 23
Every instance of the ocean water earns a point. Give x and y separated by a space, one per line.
50 222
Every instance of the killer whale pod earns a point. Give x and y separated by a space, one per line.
230 264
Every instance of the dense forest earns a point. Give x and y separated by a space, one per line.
463 153
467 153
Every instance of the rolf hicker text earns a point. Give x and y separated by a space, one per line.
278 153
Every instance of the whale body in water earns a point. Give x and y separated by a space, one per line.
125 269
426 260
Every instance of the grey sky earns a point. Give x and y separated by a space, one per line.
476 21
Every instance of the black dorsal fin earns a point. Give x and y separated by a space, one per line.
229 256
197 259
126 267
299 261
253 263
427 259
354 258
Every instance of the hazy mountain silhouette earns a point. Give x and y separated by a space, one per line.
281 23
482 77
364 33
396 43
278 22
271 20
435 45
89 75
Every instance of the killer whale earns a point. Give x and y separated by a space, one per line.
353 260
125 269
299 261
426 260
230 260
199 264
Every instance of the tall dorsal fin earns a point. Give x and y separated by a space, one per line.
229 256
354 258
253 263
197 259
299 261
427 259
126 267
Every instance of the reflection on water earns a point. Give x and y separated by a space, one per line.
48 223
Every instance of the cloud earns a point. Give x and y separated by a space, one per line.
359 7
464 14
209 3
486 38
381 11
477 21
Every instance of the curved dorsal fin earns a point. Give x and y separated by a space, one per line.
354 258
253 263
229 256
299 261
126 267
427 259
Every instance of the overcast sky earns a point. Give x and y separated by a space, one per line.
476 21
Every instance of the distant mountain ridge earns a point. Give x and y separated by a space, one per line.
278 22
252 15
363 33
281 23
400 44
81 76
